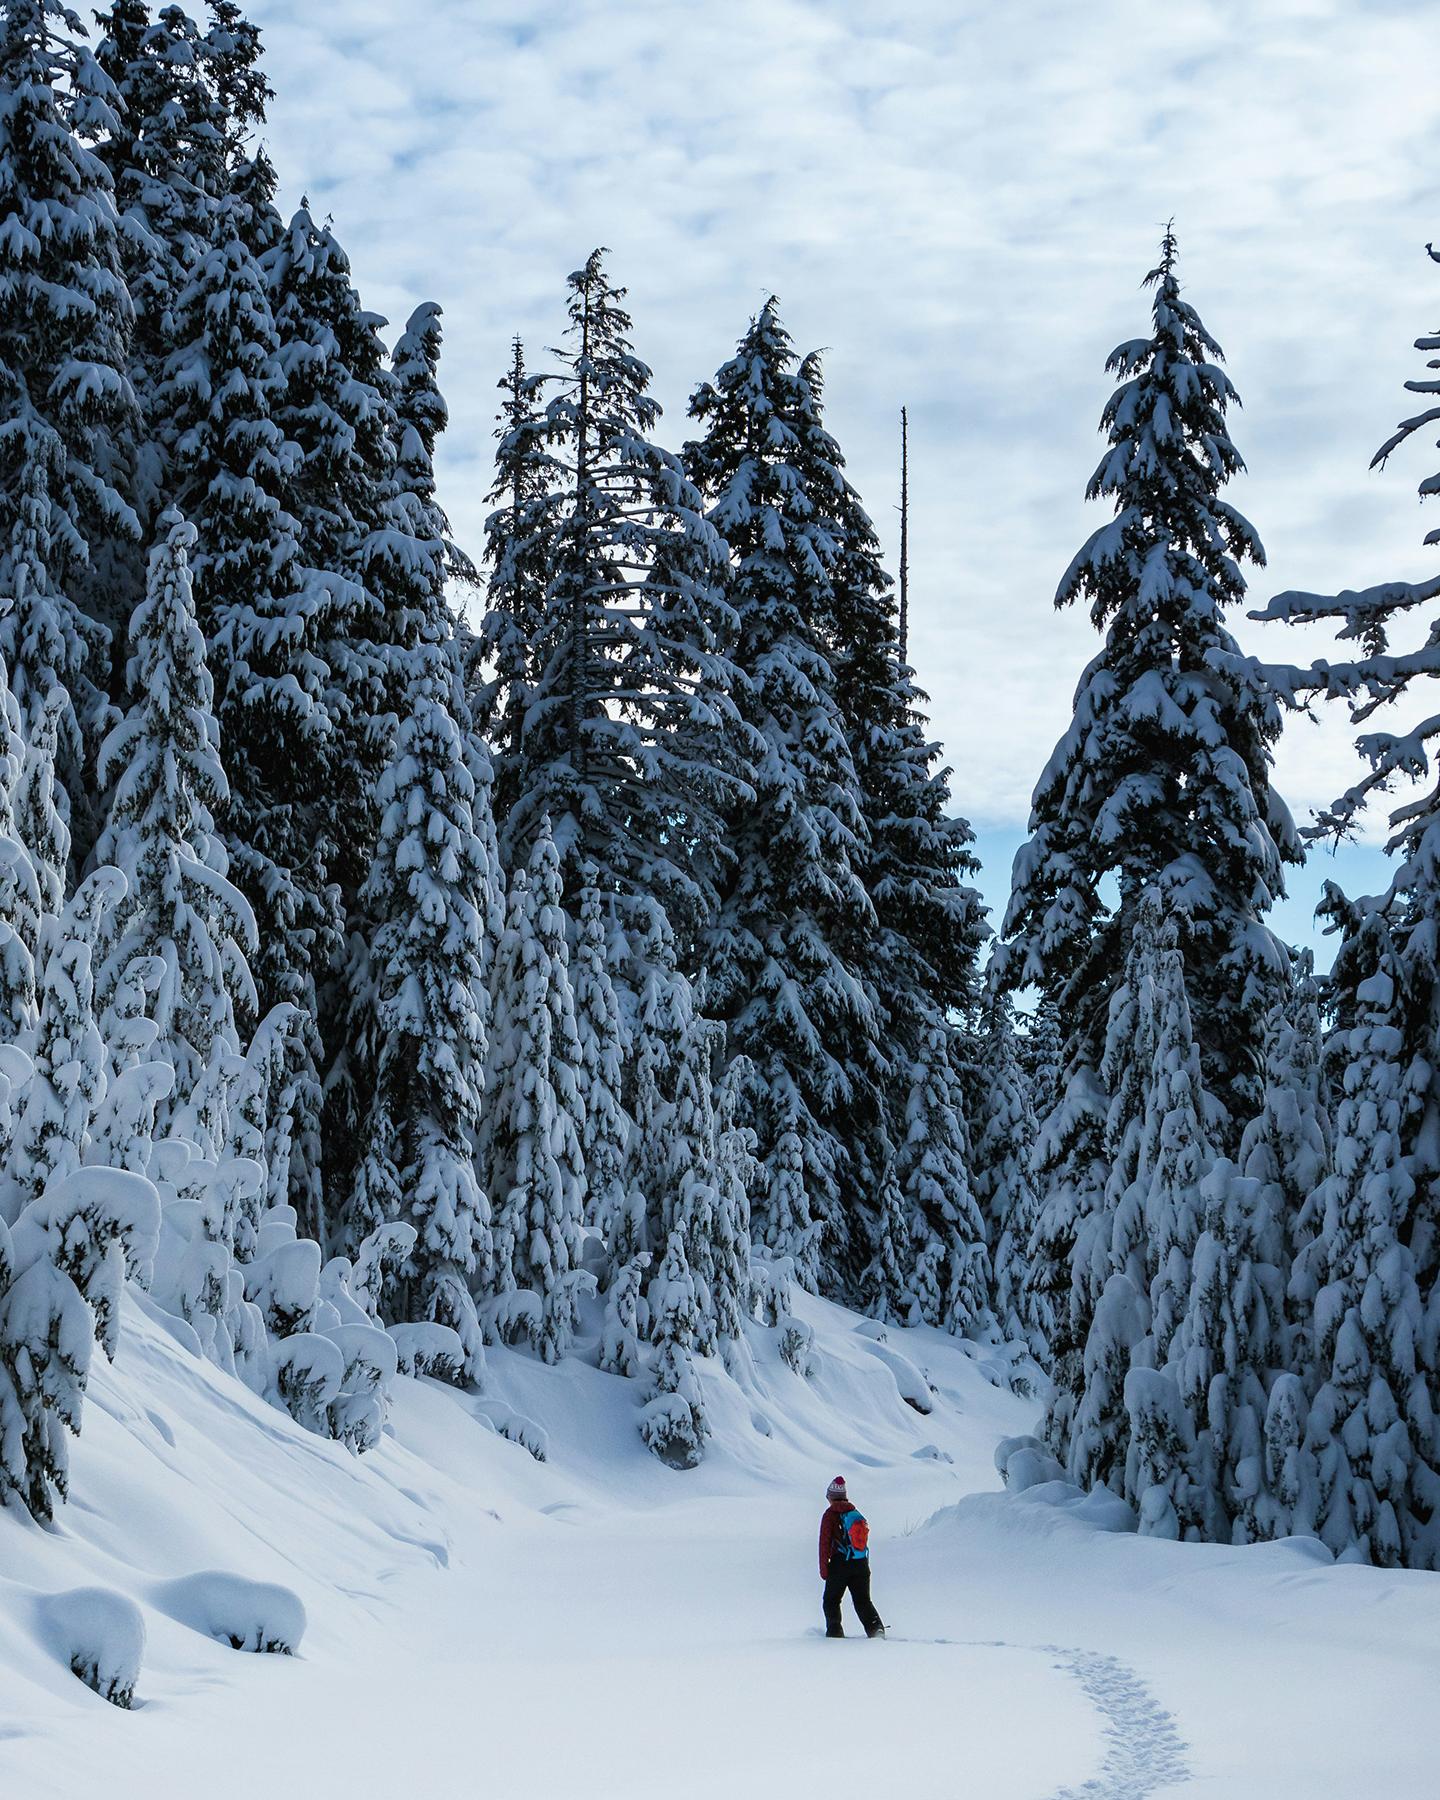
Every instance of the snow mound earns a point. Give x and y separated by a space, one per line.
99 1635
910 1381
260 1616
514 1426
1024 1462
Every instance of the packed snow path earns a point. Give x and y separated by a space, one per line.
483 1624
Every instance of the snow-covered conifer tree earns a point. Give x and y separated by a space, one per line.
1041 1056
1175 1146
948 1261
1372 1417
626 744
1227 1348
736 1171
784 1227
164 158
1070 1173
533 1121
426 893
68 1086
605 1134
1163 777
40 809
1160 1471
429 555
692 1202
518 552
1286 1146
21 897
1001 1179
886 1291
262 613
61 1268
68 406
163 760
662 1007
779 957
397 561
673 1422
1096 1416
1404 917
914 858
620 1341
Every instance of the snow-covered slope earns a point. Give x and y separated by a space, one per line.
481 1622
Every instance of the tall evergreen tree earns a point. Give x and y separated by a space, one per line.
1041 1049
947 1261
518 553
533 1124
1228 1346
1406 917
332 407
780 957
1372 1419
67 408
625 712
159 156
163 760
604 1141
1163 777
916 954
916 858
395 556
1286 1146
263 614
1002 1181
426 893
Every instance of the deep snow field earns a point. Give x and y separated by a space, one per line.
481 1623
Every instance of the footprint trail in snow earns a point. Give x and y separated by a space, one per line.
1144 1751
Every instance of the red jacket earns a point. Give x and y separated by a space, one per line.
829 1526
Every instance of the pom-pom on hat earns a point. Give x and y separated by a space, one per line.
836 1489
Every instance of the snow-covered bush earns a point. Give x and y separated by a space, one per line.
100 1636
259 1616
61 1270
796 1342
673 1420
428 1349
1024 1462
624 1328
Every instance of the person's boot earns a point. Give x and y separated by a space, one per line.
877 1630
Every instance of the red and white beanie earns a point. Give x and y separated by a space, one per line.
836 1489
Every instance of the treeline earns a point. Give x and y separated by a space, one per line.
374 987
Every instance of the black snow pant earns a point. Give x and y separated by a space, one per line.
852 1573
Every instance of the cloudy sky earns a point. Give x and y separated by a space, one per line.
959 200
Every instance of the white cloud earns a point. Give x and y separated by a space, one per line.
960 200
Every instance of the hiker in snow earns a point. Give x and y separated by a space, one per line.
845 1562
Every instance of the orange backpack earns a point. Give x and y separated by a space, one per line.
854 1535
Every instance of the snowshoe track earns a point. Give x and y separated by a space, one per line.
1144 1751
